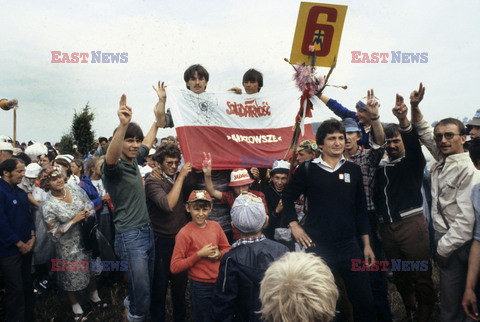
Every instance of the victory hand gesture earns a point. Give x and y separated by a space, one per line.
207 164
400 110
124 112
417 96
162 95
372 105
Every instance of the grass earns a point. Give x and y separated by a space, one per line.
55 306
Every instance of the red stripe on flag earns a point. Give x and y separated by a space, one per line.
236 148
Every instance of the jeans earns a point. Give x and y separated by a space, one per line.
201 295
338 257
138 249
161 277
16 271
452 283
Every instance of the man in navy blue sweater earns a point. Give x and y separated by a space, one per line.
17 237
337 215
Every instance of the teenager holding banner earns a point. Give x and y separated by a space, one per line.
196 79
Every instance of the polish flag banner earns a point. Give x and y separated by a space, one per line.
239 130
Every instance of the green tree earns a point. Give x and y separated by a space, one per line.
82 129
66 144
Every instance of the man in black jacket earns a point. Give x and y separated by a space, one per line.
399 204
337 215
237 290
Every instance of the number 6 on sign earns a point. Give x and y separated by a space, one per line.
319 25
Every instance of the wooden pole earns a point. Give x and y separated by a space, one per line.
14 127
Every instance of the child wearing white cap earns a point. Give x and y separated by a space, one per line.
240 183
242 268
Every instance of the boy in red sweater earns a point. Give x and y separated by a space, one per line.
199 246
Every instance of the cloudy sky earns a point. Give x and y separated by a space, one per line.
162 38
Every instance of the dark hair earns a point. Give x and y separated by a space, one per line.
167 150
201 203
66 164
79 163
102 139
25 158
451 120
391 130
133 131
52 154
9 165
474 150
190 72
328 127
91 165
253 75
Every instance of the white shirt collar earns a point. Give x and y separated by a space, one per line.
325 166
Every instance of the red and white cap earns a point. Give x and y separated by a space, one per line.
239 177
196 195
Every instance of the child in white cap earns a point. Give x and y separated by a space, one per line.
240 183
242 268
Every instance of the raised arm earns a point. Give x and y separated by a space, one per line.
159 113
415 98
337 108
424 129
373 112
207 172
400 111
115 147
162 99
174 194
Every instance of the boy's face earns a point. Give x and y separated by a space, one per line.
251 87
237 191
199 213
197 84
44 161
279 181
130 148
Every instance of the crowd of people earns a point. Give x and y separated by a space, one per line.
252 244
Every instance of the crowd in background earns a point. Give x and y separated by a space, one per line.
277 244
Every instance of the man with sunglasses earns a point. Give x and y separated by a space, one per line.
164 192
453 177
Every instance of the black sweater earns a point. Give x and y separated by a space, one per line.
337 208
397 188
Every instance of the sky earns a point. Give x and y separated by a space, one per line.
162 38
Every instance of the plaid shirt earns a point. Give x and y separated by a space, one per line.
368 160
250 240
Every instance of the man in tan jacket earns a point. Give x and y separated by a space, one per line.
453 177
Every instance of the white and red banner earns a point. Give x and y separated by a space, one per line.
240 131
